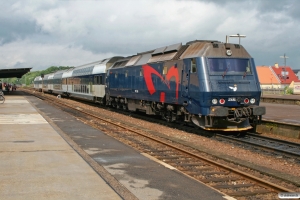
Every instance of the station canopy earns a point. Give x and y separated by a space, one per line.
14 72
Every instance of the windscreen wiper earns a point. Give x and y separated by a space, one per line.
225 72
245 74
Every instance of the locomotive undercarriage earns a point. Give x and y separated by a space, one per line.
220 118
168 112
230 119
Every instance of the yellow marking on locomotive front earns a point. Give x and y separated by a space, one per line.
228 129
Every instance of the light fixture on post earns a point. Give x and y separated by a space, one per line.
237 35
42 75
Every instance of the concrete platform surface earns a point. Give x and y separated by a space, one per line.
282 96
282 113
37 163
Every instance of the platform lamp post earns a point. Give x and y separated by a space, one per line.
237 35
284 70
42 75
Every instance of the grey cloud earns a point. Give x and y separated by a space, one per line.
289 7
16 28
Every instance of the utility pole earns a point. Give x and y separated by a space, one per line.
42 75
284 69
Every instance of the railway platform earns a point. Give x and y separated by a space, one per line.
282 113
279 111
282 96
281 99
47 154
37 163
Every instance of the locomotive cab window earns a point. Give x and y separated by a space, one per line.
230 66
193 65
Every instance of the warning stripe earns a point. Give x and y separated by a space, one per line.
22 119
15 101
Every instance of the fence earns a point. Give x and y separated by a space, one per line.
272 91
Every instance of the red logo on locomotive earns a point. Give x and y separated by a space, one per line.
172 72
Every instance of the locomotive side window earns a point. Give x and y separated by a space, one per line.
116 75
101 80
126 73
193 65
165 70
141 72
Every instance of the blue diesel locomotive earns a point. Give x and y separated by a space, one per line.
212 84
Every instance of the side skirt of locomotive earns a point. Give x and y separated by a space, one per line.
168 112
221 123
220 119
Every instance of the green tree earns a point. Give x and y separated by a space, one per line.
29 77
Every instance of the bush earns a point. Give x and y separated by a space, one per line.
289 90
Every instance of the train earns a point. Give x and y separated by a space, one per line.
207 83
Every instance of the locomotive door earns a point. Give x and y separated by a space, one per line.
185 78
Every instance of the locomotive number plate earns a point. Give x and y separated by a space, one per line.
232 99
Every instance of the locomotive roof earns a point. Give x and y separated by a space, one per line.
195 48
214 49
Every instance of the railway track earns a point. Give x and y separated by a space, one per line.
228 180
266 145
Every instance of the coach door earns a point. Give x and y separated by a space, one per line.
185 78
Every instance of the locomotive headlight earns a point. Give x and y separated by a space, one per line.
252 100
246 100
214 101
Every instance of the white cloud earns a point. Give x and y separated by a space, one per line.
39 56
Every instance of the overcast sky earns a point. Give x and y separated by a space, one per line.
38 34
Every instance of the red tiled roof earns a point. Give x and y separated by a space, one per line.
285 74
266 75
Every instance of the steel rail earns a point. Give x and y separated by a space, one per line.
241 140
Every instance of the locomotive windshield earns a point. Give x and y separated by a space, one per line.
233 66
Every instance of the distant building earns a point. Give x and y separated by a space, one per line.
276 77
268 78
285 74
297 72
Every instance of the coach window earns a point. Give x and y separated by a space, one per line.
193 65
95 80
101 80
